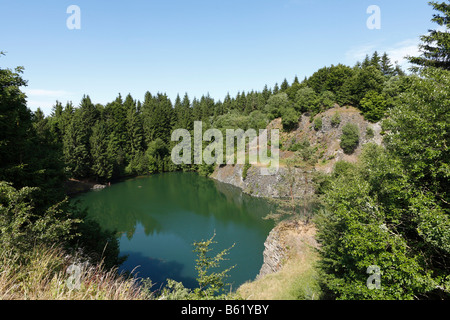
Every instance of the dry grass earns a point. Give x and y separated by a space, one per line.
298 278
45 276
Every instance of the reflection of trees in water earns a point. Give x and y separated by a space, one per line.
164 200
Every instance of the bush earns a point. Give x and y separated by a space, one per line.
318 123
349 138
370 133
289 119
306 99
276 104
245 170
327 99
373 106
336 119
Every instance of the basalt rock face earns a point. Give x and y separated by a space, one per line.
268 186
288 238
274 254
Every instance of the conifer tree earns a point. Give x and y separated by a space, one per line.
386 65
435 46
102 167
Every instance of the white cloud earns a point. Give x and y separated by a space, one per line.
359 53
396 52
399 51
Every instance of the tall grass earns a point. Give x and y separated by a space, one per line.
43 275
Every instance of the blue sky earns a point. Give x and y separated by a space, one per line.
193 46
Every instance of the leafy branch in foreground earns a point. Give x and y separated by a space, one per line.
211 284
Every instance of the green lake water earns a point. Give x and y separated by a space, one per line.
157 219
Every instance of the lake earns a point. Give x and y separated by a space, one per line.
157 219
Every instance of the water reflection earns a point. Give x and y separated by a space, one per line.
157 219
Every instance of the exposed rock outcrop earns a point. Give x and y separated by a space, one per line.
288 238
267 186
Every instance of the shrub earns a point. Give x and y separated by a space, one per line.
289 119
349 138
317 123
245 170
373 106
336 119
370 133
276 104
306 99
327 99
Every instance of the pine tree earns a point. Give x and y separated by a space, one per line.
366 62
135 131
376 60
386 65
102 166
435 46
276 89
76 147
284 85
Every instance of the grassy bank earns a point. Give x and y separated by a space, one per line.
45 275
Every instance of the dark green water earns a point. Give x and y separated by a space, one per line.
159 217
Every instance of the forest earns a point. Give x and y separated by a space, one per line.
391 209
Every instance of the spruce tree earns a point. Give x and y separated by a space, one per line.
102 167
435 46
284 85
386 65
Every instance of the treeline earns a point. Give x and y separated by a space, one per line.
130 137
33 206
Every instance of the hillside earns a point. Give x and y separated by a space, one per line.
307 149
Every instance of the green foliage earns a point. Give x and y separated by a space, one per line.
211 283
21 225
76 147
391 208
332 79
371 218
327 100
349 138
364 80
276 105
373 106
304 151
418 131
289 119
336 119
435 46
245 170
318 123
369 133
102 163
306 99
